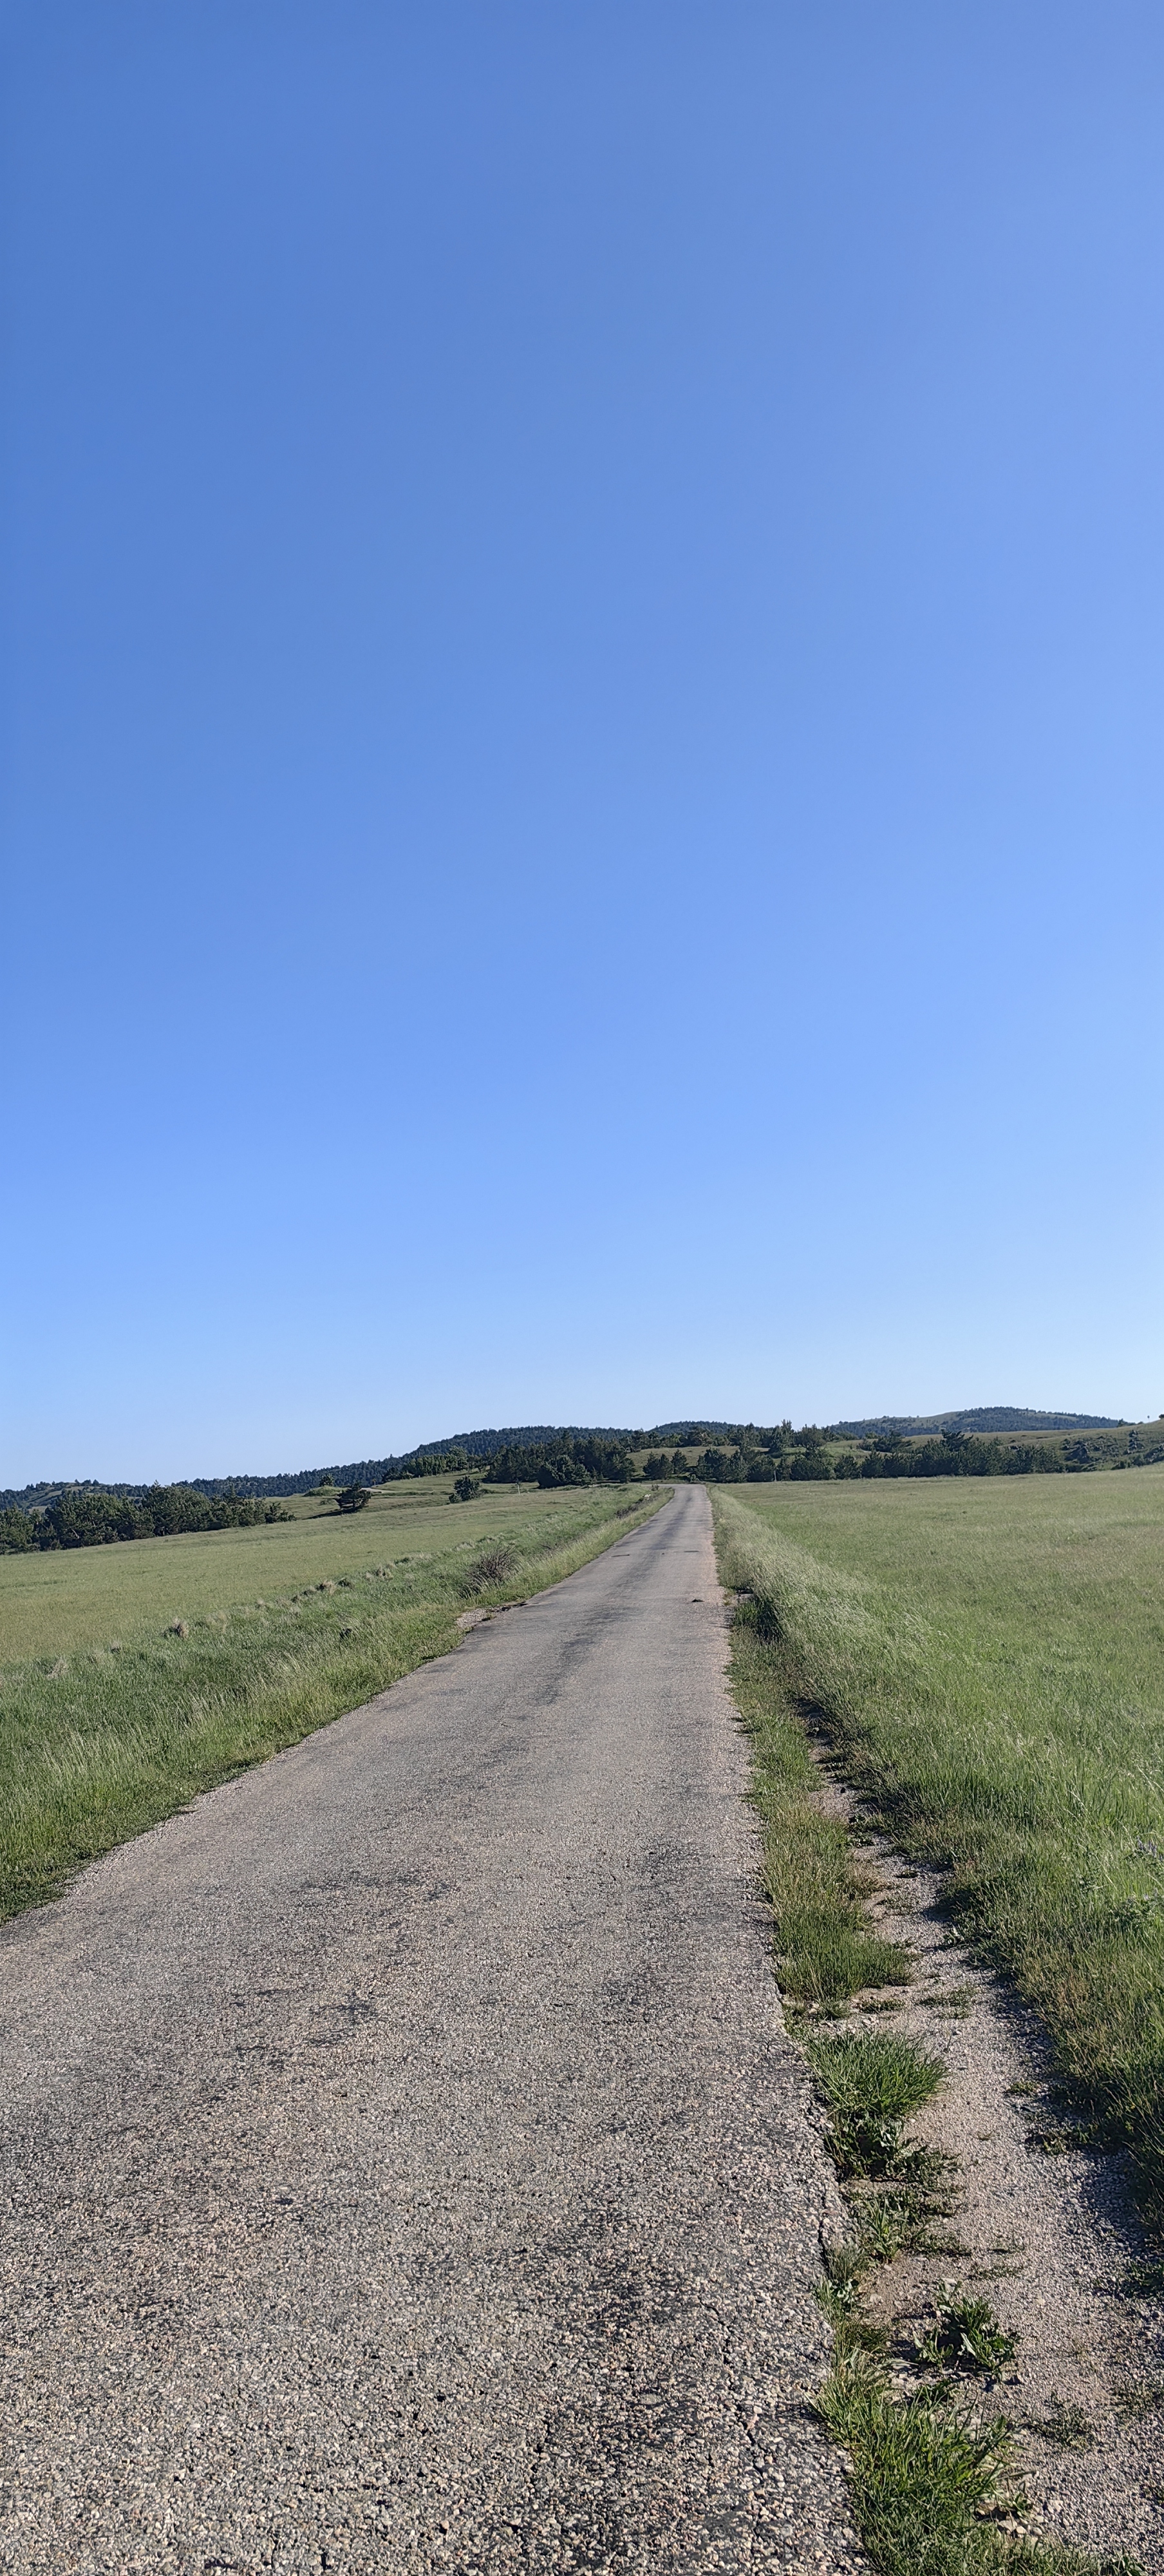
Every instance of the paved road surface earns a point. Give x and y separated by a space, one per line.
404 2165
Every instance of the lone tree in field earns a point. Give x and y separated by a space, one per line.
352 1498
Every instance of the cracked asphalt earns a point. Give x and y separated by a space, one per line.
404 2165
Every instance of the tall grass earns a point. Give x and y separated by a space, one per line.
991 1726
101 1742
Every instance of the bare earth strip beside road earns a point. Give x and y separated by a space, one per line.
406 2168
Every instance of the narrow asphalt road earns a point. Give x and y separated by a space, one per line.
404 2165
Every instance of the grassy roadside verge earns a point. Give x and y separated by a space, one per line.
929 2465
100 1744
1039 1793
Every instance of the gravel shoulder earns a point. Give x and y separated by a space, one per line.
405 2164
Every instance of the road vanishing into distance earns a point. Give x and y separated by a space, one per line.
404 2165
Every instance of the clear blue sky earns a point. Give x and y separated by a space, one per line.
583 663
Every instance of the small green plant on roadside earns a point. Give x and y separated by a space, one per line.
1142 2281
890 2223
926 2484
921 2475
844 2267
1065 2138
885 2224
929 2173
1137 2398
839 2298
965 2336
1066 2426
871 2082
853 2331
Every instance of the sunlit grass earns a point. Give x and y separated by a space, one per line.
825 1948
84 1596
989 1665
871 2083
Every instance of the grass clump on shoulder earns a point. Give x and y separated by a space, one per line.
490 1571
825 1949
928 2473
966 2336
871 2083
921 2477
928 2484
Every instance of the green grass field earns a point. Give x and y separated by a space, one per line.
110 1718
84 1596
988 1661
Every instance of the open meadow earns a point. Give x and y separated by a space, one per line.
987 1662
133 1676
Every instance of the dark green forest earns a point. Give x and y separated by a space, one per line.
93 1515
765 1457
78 1518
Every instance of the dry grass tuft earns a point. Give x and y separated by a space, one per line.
494 1567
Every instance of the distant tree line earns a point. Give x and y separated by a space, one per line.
977 1418
958 1453
758 1457
92 1515
430 1462
783 1455
77 1518
532 1436
587 1460
584 1458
